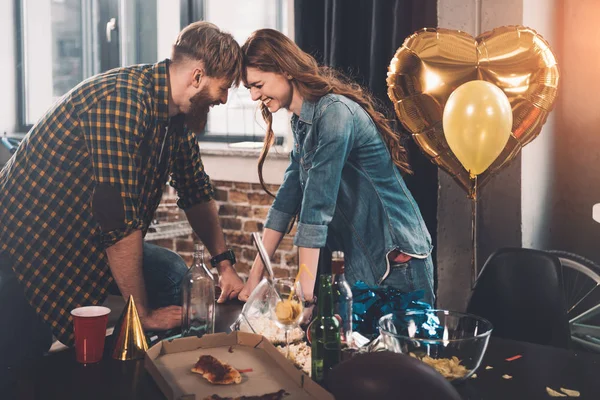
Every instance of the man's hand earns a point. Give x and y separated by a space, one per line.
230 283
162 319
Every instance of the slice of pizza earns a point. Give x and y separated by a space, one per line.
216 372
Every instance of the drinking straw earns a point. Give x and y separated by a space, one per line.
303 267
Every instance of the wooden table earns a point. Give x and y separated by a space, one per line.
539 366
59 376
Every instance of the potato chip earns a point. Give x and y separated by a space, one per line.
449 368
488 367
554 393
506 376
570 393
474 376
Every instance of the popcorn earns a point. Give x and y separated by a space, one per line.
299 355
264 325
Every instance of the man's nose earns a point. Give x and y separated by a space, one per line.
223 98
254 94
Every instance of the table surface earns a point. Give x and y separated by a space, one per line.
59 376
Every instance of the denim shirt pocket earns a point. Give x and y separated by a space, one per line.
400 277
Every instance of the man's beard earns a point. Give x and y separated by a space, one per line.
196 118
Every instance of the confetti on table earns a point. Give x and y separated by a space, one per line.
489 367
570 393
554 393
513 358
506 376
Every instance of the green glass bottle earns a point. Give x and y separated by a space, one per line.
325 329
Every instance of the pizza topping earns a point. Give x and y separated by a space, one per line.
216 372
212 365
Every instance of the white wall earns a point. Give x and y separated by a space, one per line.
8 100
577 153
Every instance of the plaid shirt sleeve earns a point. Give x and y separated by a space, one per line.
189 178
112 132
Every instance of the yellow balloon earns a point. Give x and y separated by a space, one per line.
477 123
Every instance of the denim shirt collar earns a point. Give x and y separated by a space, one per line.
307 112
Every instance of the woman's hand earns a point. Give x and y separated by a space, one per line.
307 315
254 278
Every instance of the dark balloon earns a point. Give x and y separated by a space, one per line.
387 375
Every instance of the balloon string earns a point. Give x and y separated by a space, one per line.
474 233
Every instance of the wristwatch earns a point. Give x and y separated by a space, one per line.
227 255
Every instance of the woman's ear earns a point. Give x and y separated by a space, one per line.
289 77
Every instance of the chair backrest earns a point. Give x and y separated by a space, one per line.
520 292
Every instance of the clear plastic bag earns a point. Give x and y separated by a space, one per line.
256 316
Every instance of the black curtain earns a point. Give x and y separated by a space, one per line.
360 37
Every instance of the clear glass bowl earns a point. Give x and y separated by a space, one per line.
451 342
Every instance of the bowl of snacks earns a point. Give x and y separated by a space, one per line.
452 343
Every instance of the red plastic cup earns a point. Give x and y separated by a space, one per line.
90 332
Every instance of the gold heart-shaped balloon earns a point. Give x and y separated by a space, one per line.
433 62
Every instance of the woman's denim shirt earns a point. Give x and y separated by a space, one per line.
348 192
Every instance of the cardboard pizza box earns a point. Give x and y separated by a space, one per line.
170 362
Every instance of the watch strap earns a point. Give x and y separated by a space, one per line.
226 255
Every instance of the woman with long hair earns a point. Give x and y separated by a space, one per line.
344 181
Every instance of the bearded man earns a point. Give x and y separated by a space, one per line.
81 190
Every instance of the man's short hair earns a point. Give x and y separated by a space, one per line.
218 50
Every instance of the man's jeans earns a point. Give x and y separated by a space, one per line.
23 334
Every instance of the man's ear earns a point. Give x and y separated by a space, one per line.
197 75
197 80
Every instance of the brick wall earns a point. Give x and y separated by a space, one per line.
243 208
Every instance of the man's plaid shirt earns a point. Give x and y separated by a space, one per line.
111 129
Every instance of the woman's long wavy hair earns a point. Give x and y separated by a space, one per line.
271 51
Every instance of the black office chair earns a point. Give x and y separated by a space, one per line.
520 292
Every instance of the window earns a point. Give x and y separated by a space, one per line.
239 120
81 38
66 41
52 56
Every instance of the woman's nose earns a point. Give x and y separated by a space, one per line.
254 94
